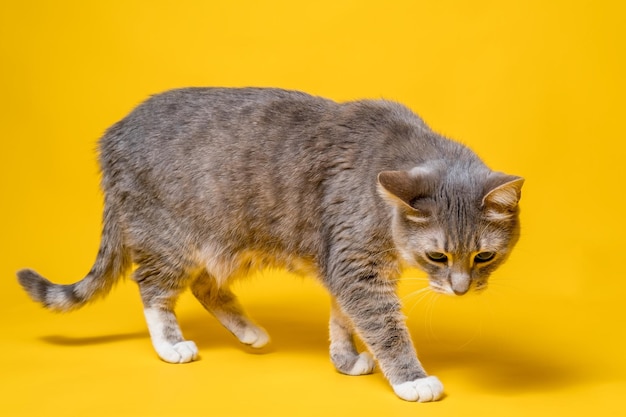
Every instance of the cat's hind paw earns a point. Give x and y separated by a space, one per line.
421 390
181 352
255 337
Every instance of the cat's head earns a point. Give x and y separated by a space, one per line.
458 224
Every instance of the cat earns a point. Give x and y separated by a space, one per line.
202 185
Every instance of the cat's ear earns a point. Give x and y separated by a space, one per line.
409 189
501 196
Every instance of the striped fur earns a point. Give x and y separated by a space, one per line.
111 264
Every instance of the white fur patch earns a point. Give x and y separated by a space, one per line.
181 352
363 366
255 336
420 390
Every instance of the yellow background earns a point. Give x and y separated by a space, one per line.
537 88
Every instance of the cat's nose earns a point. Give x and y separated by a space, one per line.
460 292
460 283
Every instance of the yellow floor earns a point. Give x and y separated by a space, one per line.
536 88
511 353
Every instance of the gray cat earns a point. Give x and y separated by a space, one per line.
202 185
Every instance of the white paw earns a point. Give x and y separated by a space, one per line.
363 366
181 352
421 390
254 336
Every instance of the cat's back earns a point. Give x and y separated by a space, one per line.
206 101
189 119
221 107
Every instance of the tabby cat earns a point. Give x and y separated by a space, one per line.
202 185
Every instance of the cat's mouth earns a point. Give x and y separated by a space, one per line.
448 288
441 289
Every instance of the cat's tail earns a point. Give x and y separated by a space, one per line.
112 262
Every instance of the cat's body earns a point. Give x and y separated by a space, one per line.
202 185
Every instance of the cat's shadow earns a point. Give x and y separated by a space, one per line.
65 340
288 330
292 331
488 361
492 363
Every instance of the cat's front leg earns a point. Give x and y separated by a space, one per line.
373 307
343 353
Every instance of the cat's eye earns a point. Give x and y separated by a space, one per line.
482 257
437 257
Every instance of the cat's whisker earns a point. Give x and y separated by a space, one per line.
472 338
489 308
385 251
418 296
409 279
428 317
503 284
426 279
415 293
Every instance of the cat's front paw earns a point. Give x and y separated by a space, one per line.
349 363
181 352
421 390
364 365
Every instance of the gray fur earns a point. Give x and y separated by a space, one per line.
201 185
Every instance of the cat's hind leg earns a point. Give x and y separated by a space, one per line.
224 305
343 353
160 287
